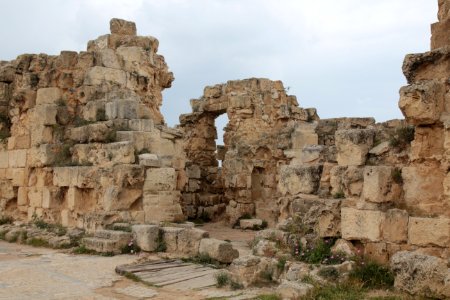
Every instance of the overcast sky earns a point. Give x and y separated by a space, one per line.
342 57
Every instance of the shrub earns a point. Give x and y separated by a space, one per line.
344 291
162 247
63 155
234 285
130 248
5 220
37 242
268 297
373 275
319 252
396 175
101 114
83 250
402 137
339 195
329 273
267 275
222 279
281 263
111 136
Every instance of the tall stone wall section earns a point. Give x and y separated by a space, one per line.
261 118
87 143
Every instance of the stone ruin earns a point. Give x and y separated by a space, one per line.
84 144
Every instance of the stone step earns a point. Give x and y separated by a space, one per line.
114 235
102 245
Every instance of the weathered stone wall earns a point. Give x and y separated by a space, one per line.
261 119
87 143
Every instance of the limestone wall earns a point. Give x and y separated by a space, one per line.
83 140
261 118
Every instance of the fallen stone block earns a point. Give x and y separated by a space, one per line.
421 275
146 236
219 250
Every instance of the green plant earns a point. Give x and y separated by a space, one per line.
234 285
402 137
281 263
61 102
329 273
222 279
319 252
267 275
83 250
130 248
63 155
78 122
339 195
268 297
37 242
373 275
111 136
161 243
101 114
6 220
396 175
308 279
344 291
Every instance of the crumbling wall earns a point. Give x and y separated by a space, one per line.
87 143
261 118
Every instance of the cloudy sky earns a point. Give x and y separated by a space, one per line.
343 57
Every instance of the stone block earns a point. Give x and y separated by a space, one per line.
22 196
250 223
423 187
395 226
50 197
380 185
429 231
18 176
160 179
44 114
149 160
141 124
346 180
146 236
193 171
122 109
219 250
101 75
19 142
163 206
35 197
421 275
189 240
74 198
49 95
304 135
422 103
4 159
140 139
363 225
122 27
377 252
299 179
293 290
17 158
353 145
107 58
170 236
41 134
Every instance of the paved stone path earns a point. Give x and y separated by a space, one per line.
45 274
173 274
